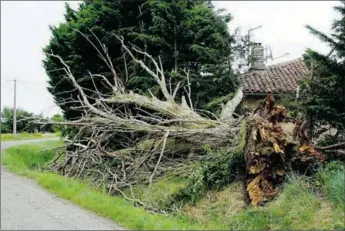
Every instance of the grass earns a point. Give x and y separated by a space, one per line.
219 206
331 179
25 159
26 136
162 191
299 205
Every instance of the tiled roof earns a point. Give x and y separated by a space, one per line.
282 77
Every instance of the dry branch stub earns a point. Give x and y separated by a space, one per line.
271 147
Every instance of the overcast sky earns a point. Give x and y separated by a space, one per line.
25 31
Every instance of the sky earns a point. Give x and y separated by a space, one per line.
25 31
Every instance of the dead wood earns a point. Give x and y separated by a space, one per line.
125 138
333 146
270 149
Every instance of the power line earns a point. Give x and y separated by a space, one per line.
29 82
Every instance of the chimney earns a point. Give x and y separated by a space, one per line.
257 57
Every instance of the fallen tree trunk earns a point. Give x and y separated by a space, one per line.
145 139
149 137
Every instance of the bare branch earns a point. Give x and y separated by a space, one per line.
106 59
159 160
333 146
189 92
231 105
160 80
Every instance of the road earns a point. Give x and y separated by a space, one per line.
27 206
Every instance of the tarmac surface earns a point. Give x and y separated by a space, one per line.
27 206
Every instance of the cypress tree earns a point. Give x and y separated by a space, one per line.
185 34
325 89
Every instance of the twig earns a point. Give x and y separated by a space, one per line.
158 162
333 146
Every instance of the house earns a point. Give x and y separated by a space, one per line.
278 79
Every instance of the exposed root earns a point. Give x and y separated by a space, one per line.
270 149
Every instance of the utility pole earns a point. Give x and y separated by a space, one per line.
15 108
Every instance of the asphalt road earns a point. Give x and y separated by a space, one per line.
27 206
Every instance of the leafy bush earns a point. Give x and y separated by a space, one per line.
221 168
193 191
218 170
291 104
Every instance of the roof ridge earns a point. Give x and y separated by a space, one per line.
285 62
280 77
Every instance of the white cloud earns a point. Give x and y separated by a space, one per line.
283 23
24 32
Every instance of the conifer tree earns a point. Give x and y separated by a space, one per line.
186 34
325 88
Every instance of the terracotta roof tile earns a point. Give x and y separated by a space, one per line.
281 77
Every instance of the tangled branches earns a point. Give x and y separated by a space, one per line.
125 138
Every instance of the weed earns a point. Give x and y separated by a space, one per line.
332 179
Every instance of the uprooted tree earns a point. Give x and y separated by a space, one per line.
152 136
125 138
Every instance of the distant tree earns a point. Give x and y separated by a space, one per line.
57 118
26 121
5 128
325 88
23 120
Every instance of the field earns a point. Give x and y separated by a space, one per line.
26 136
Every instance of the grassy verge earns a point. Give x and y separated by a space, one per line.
332 178
299 206
26 136
25 159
